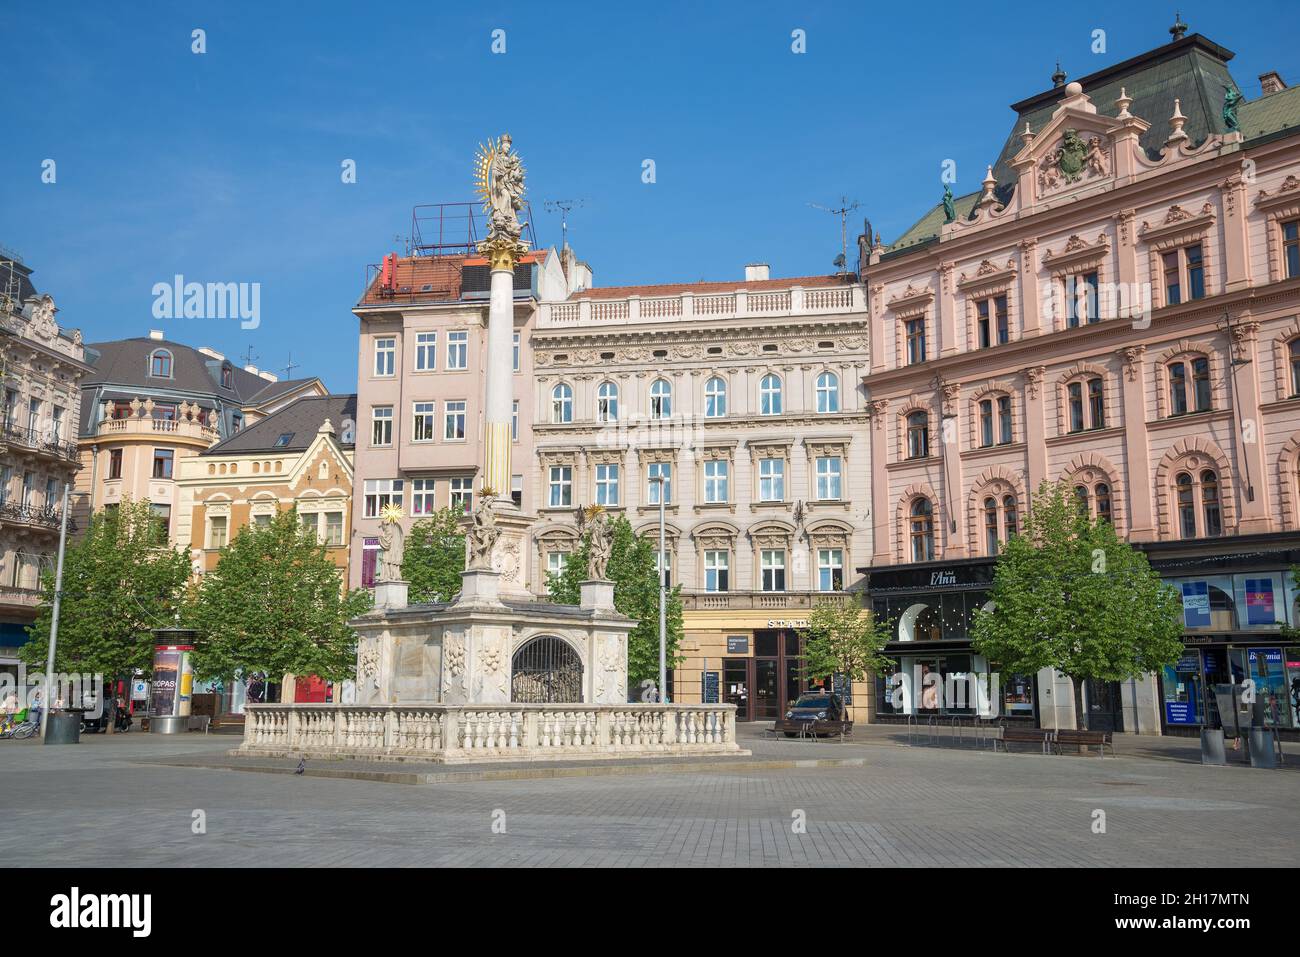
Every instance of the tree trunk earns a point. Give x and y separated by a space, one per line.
1080 721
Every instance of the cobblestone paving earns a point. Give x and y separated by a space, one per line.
103 802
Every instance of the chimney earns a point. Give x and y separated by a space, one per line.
156 334
1271 82
756 272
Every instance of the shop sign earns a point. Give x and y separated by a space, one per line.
787 623
1180 712
738 644
1259 602
1196 604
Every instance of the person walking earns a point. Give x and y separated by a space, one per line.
35 709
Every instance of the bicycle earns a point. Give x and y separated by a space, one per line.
23 729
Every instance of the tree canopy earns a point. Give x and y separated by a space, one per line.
845 639
435 557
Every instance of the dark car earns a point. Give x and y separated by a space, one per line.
816 712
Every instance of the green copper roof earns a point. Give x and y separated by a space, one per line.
1269 115
927 227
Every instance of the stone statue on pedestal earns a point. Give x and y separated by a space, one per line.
501 186
949 210
483 534
392 543
600 547
1230 100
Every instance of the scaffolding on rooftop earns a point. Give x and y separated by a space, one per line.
455 229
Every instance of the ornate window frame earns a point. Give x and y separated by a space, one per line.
997 481
903 525
912 303
1194 454
1179 230
1278 208
1282 360
1110 394
1186 350
771 533
828 533
1090 468
770 448
911 405
992 391
715 452
988 282
1076 258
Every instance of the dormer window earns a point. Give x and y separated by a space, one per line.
160 364
227 377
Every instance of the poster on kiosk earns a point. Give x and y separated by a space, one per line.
173 681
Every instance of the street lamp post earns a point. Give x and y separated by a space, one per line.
54 620
663 595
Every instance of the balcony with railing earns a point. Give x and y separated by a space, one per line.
183 422
690 306
34 516
12 596
758 600
46 443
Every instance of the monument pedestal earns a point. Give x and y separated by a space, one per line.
391 594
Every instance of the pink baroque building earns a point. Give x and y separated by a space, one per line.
1115 307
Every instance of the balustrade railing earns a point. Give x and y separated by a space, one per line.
795 301
48 441
483 732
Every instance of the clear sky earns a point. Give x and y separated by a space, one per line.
225 166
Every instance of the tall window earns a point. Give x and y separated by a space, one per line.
385 356
995 421
607 402
515 354
771 480
915 333
991 325
772 561
1103 501
918 435
561 486
562 403
828 392
333 529
426 351
1001 522
1198 504
1294 350
514 421
655 472
1184 274
115 463
1189 386
458 350
1081 300
422 497
1010 517
607 483
453 416
921 530
381 429
162 463
715 397
828 478
661 399
380 492
830 569
716 570
1291 248
991 540
716 474
422 425
160 364
769 395
217 531
1089 413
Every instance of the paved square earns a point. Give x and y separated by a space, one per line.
105 802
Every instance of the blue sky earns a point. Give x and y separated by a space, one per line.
225 166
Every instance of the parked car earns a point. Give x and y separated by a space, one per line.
817 712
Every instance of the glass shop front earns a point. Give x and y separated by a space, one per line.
929 609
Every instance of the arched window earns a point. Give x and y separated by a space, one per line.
1186 505
562 403
828 392
769 395
1212 517
991 525
1081 496
1198 504
995 421
1189 386
1103 501
921 530
1001 522
160 364
1010 517
661 399
607 402
715 398
918 435
1294 350
1086 404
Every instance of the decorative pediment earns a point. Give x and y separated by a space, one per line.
1287 192
1178 225
911 301
1076 252
989 277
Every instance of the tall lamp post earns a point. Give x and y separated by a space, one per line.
661 481
54 620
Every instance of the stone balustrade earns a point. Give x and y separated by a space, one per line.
454 734
796 301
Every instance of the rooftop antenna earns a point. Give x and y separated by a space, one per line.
842 212
564 206
250 356
289 367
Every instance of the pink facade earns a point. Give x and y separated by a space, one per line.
1180 419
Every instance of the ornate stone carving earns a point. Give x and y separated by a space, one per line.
1034 380
391 543
599 548
483 534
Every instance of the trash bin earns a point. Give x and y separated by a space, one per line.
1262 754
65 727
1212 746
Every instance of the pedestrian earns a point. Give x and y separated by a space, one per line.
36 709
8 708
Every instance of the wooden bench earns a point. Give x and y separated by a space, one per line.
1085 740
1039 736
198 722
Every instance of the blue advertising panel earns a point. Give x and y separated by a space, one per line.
1259 602
1196 604
1182 687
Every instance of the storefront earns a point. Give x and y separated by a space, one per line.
1236 609
929 609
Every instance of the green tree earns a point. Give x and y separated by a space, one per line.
435 556
1069 594
275 604
120 581
844 638
636 594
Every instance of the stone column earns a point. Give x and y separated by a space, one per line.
498 389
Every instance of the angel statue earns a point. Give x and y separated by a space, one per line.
949 210
599 548
392 544
1230 100
483 534
501 186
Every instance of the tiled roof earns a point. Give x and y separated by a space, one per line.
275 390
676 289
1276 113
299 420
432 278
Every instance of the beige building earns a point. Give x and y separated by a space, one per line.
744 400
42 365
151 403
